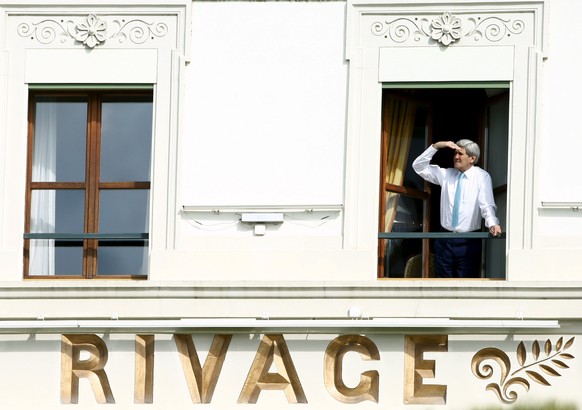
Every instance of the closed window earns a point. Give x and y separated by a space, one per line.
88 187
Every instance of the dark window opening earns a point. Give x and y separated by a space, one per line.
412 119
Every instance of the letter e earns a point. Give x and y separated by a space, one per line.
416 369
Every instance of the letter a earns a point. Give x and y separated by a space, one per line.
272 348
73 368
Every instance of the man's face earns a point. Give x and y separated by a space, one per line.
462 161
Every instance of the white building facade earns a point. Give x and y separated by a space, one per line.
212 203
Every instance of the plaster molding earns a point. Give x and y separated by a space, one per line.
392 23
86 43
463 290
92 31
392 41
448 28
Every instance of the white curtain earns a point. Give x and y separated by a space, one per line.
42 208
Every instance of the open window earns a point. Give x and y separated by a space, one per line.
88 184
412 118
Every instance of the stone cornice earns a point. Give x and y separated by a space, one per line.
382 289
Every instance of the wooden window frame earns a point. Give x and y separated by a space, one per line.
92 184
386 188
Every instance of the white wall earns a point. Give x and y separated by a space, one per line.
557 231
266 92
263 111
30 373
264 124
561 137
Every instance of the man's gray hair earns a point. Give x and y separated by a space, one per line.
471 148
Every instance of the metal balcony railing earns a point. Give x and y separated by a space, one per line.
438 235
81 236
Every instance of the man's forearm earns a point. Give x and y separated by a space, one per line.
445 144
422 167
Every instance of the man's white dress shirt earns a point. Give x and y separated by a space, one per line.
476 199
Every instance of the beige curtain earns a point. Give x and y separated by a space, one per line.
398 124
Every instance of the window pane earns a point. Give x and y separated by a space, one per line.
69 258
123 211
60 211
399 252
126 137
122 258
50 257
418 144
60 135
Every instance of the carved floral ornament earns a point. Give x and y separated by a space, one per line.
92 30
448 28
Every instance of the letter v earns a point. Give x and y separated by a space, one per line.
202 380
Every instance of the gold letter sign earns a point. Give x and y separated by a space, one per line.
202 380
143 391
367 389
416 369
73 368
272 347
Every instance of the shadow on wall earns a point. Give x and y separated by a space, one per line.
550 405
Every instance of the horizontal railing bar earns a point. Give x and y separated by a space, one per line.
381 235
438 235
80 236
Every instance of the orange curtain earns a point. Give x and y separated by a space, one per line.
398 125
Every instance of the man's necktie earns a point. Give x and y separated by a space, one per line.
457 203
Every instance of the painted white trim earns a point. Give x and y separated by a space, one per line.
73 67
252 325
257 208
455 65
147 44
389 41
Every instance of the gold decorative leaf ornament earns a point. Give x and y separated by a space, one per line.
539 370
